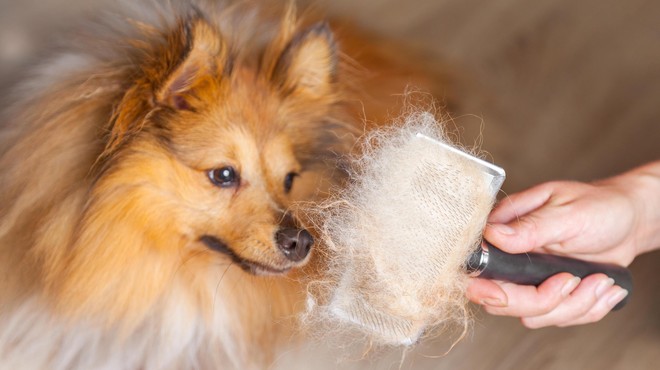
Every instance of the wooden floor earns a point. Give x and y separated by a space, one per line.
558 89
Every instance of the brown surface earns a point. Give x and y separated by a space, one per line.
565 89
558 88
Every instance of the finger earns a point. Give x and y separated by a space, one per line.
486 292
603 306
519 204
528 301
578 304
543 227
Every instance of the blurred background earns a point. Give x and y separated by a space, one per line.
554 89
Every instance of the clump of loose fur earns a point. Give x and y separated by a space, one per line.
398 236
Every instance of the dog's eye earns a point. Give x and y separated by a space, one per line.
288 181
224 177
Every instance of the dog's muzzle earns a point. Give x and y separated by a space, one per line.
294 243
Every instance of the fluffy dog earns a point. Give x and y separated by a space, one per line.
148 188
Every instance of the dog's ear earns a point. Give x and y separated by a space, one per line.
308 64
204 56
179 74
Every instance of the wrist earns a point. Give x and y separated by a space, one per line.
642 186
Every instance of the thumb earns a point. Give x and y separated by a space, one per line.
542 227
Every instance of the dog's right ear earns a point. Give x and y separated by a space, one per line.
203 58
179 74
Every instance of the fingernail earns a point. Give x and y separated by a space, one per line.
493 302
570 286
617 297
603 286
503 229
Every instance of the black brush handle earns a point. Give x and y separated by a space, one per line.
534 268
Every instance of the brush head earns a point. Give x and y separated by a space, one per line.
400 233
492 175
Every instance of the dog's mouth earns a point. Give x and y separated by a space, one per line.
249 266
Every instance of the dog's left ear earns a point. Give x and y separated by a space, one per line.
308 64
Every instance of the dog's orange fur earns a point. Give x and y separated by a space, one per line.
105 194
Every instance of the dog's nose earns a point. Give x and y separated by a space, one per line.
294 243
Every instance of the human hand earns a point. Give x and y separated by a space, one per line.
607 221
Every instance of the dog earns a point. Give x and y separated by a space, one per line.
149 187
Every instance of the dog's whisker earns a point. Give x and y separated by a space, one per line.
189 258
217 286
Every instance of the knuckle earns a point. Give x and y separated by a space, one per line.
547 303
528 227
584 304
531 323
595 314
494 310
549 186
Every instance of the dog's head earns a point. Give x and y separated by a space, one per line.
213 145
